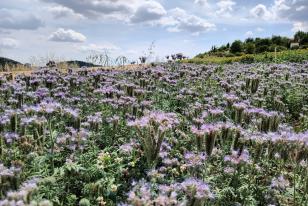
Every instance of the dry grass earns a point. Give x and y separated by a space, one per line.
64 68
126 67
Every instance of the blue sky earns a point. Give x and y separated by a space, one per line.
73 29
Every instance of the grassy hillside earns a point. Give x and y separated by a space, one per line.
259 45
268 57
78 64
4 62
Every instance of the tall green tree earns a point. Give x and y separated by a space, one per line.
236 47
250 48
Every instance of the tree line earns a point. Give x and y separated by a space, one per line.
259 45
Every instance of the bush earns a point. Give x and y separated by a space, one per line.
248 59
262 49
250 48
236 47
305 46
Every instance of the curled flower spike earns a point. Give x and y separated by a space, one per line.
206 136
197 189
151 131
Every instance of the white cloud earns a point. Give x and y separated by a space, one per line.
249 34
293 10
139 11
63 35
100 8
300 26
62 12
135 11
290 11
99 47
203 3
300 8
225 7
18 20
260 11
8 43
280 5
179 20
148 11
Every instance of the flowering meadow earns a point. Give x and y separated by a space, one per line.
174 134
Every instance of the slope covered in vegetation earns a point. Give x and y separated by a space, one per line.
6 62
258 46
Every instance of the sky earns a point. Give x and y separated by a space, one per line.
74 29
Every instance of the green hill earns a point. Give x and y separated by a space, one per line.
9 62
78 63
258 46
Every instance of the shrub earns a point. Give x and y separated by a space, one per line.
236 46
250 48
248 59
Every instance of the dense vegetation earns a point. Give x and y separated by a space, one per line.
300 55
169 135
258 46
77 64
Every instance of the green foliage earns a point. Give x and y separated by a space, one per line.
294 99
236 47
269 57
250 48
301 37
84 202
258 45
248 59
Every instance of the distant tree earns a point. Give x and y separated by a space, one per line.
179 56
262 48
213 49
143 59
298 36
249 40
250 48
301 37
236 47
257 45
285 42
222 48
277 40
262 45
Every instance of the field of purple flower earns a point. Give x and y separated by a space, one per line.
174 134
